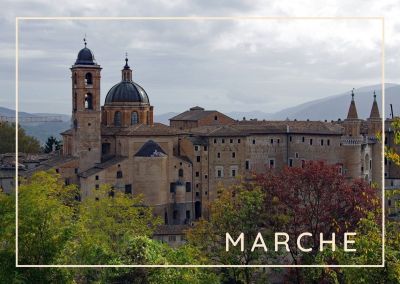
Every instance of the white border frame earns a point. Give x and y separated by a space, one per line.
18 19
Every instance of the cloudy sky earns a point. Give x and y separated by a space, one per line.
229 65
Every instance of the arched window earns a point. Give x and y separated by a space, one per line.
134 118
88 79
117 118
88 101
180 173
75 101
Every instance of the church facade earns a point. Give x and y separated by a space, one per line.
179 168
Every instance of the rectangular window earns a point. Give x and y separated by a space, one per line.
196 148
303 139
233 171
119 174
290 138
215 141
328 142
290 162
272 141
310 141
254 141
223 141
219 171
230 140
197 174
128 189
218 155
303 163
205 148
296 155
172 186
188 186
233 155
97 177
97 186
172 238
188 214
322 142
247 165
198 159
271 163
238 141
278 141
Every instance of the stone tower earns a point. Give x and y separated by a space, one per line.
374 127
352 141
86 114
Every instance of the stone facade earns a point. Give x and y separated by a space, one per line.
179 168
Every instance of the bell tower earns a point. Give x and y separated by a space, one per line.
86 114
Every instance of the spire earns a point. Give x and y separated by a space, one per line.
126 61
374 109
84 40
126 72
352 114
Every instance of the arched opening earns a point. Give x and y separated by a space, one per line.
180 173
117 118
197 209
134 118
88 79
88 101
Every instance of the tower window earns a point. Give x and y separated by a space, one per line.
180 173
88 101
134 118
117 118
119 174
75 81
75 101
215 117
88 79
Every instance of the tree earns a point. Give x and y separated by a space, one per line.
315 199
52 144
238 209
26 144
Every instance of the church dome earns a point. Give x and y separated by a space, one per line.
85 57
127 92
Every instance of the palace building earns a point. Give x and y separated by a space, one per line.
178 168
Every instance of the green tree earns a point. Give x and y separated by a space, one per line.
51 144
26 144
238 209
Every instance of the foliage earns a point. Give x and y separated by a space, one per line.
315 199
26 144
238 209
50 143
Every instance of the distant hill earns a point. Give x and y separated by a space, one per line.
335 107
329 108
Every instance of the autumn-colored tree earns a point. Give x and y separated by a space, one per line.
317 199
